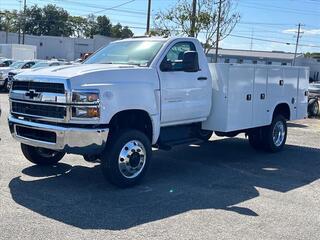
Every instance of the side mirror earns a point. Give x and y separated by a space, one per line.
190 61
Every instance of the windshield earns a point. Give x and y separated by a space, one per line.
17 65
40 64
139 53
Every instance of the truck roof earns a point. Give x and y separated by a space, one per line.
156 38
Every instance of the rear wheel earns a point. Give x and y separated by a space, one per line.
275 135
126 158
256 139
204 135
41 156
313 108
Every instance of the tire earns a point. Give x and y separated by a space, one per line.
5 86
204 135
275 135
41 156
256 139
126 158
313 108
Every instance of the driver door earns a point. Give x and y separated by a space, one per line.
184 95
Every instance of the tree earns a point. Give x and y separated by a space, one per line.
177 21
55 21
104 26
9 21
126 32
79 26
34 19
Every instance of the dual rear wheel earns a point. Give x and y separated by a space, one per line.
271 138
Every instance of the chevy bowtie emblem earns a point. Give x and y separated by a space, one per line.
32 94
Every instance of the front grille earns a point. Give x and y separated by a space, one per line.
39 110
36 134
38 86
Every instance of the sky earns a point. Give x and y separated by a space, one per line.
273 21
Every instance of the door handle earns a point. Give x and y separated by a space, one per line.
202 78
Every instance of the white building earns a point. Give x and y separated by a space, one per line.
58 47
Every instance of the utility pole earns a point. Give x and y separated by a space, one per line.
251 43
148 17
297 44
193 18
24 20
218 30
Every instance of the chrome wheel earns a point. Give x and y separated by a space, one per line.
315 109
278 134
132 159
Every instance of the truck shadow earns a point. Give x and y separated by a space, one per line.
215 175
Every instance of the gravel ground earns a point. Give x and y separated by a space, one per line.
219 190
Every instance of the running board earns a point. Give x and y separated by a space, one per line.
169 145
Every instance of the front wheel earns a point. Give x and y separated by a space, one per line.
41 156
126 158
275 135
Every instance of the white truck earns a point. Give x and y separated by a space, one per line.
139 93
18 51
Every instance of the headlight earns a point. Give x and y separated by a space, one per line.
86 112
87 104
85 96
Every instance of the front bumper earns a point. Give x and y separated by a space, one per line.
68 139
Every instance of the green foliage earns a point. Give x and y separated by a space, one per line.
312 55
55 21
177 20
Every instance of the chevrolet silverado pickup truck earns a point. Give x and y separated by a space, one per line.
139 93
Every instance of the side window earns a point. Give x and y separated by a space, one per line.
26 65
173 60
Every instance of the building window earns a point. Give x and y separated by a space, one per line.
269 63
254 61
227 60
240 61
284 64
41 44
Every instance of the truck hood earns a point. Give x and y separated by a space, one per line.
71 71
5 69
17 71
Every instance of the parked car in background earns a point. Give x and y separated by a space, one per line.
314 97
16 65
39 64
5 62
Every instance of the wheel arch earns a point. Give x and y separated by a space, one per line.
283 109
135 119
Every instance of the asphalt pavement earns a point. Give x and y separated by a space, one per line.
218 190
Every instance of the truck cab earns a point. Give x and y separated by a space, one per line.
139 93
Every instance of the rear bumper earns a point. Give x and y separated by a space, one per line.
67 139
